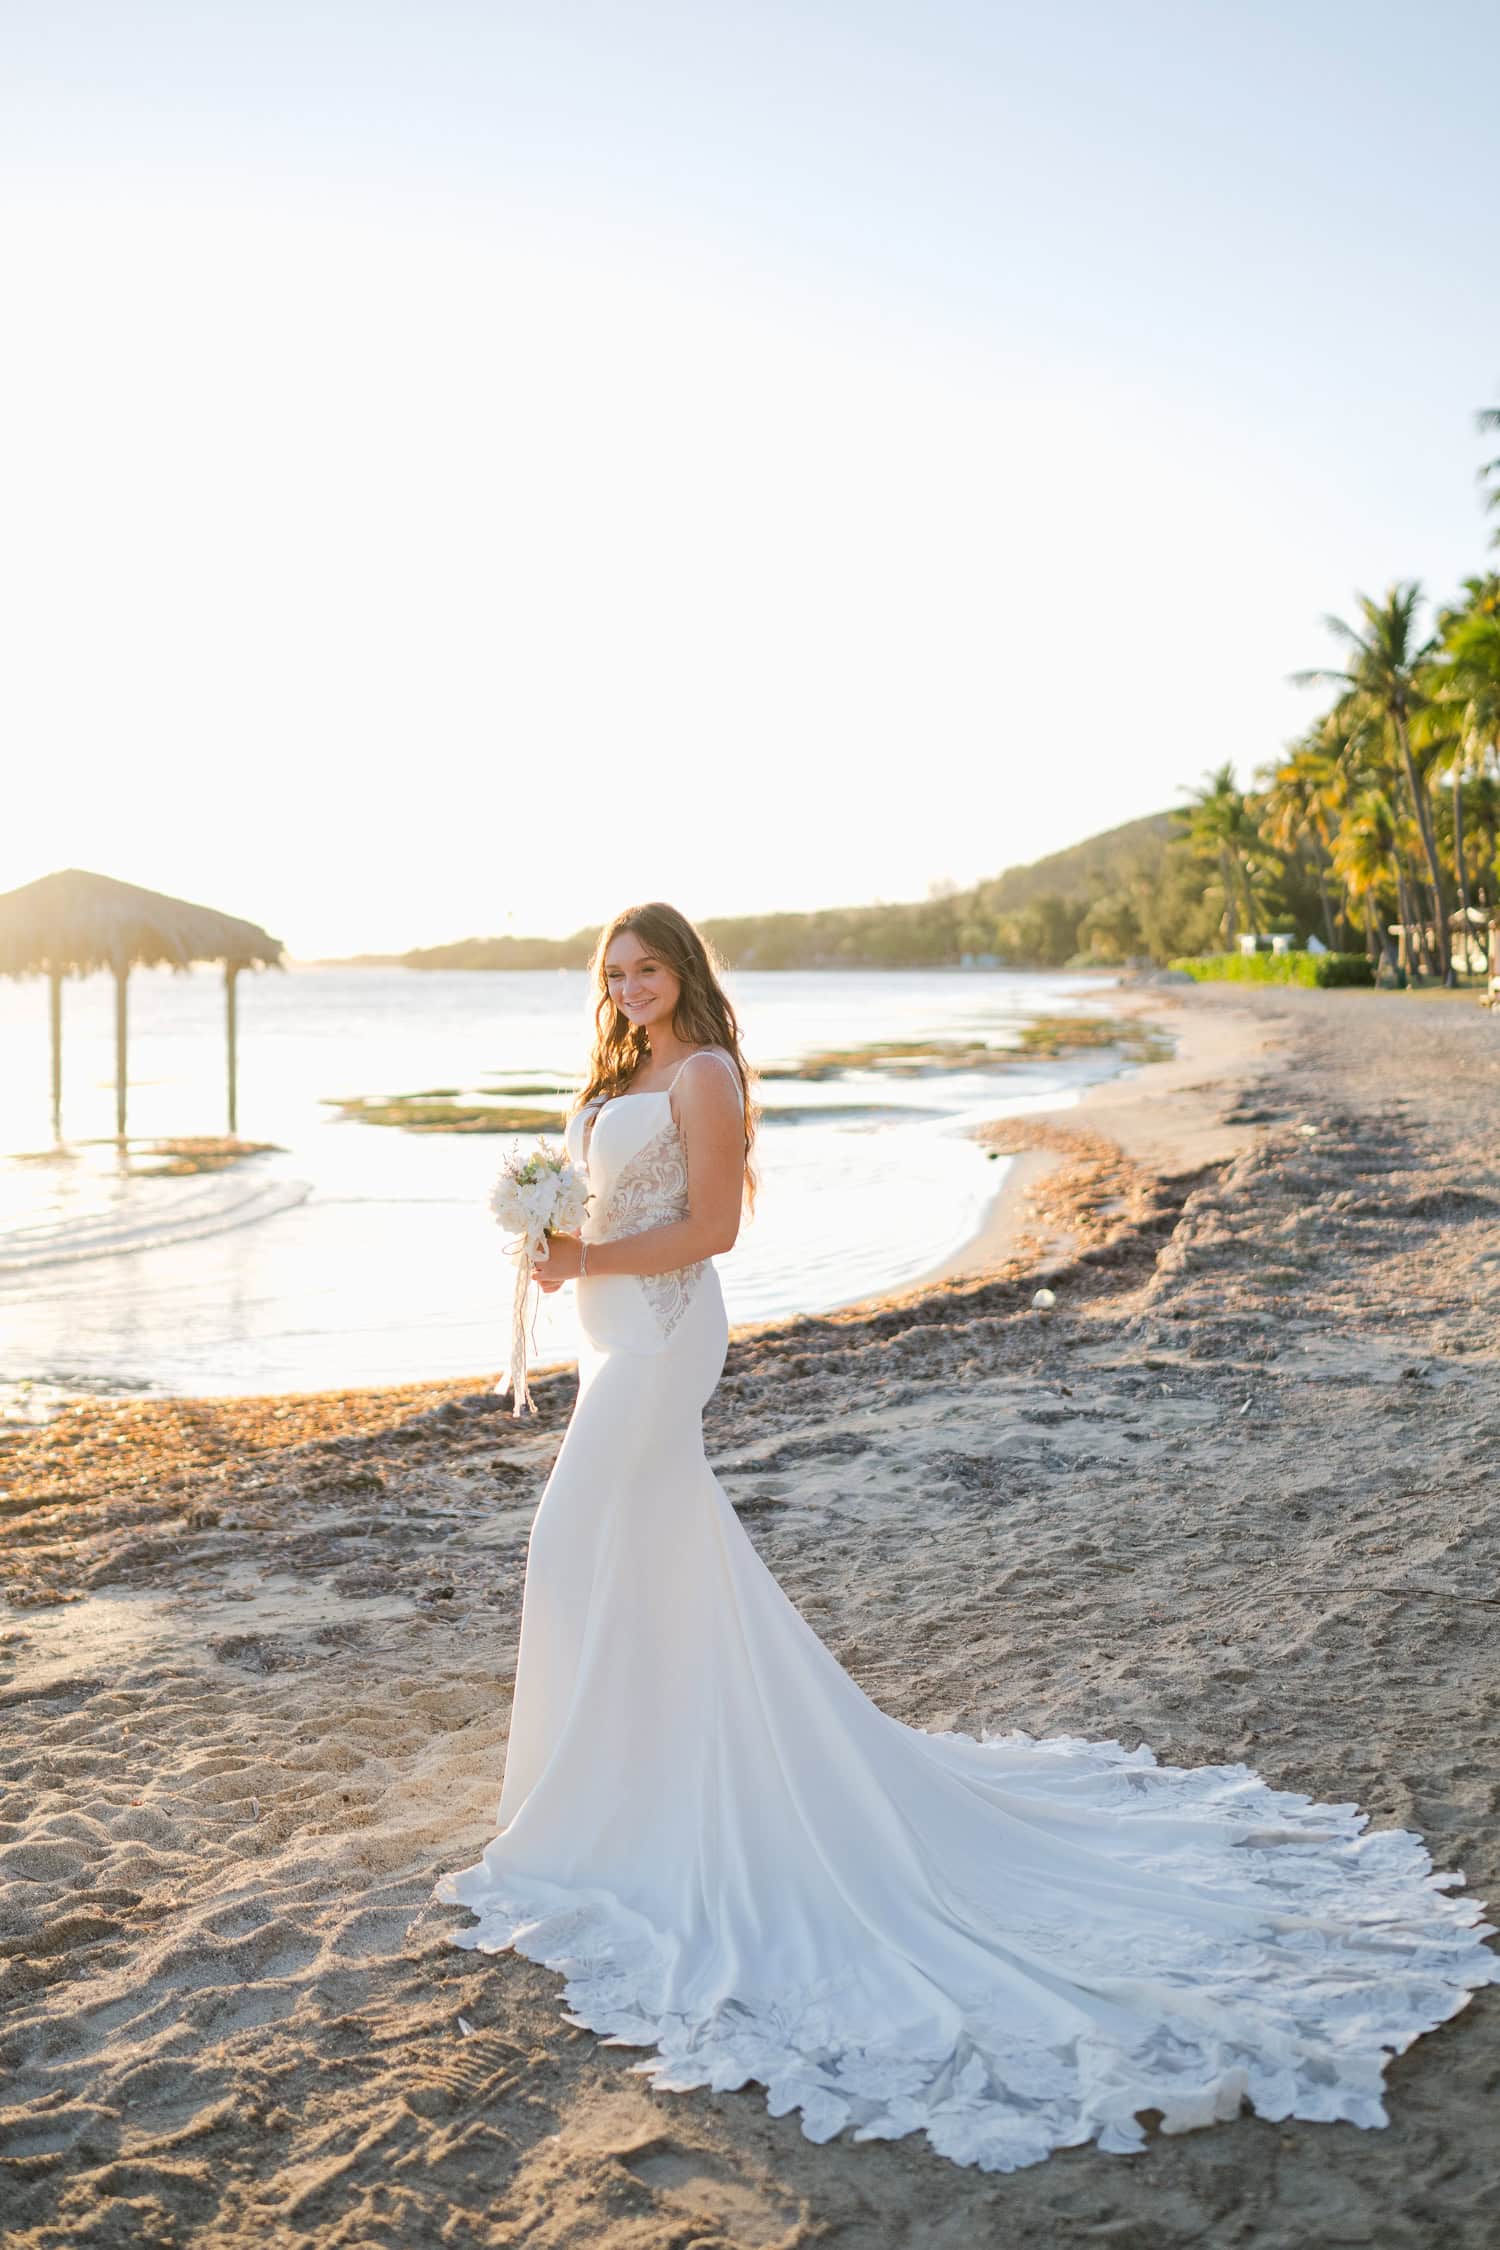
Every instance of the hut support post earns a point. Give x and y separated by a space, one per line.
231 1034
121 975
54 1011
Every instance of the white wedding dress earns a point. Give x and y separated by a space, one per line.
738 1860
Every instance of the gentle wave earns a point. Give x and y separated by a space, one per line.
199 1208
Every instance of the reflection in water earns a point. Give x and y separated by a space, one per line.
360 1254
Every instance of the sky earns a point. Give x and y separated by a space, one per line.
471 466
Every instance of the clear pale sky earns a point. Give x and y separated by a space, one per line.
472 466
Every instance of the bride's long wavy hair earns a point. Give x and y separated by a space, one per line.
704 1015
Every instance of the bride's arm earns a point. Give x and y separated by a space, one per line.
712 1119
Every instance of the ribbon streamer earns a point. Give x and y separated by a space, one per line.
528 1250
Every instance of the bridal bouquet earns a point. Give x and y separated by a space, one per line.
534 1196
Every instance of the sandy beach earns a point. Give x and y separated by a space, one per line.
1232 1497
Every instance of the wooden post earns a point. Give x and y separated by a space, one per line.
121 974
231 971
54 1008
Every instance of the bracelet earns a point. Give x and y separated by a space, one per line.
583 1257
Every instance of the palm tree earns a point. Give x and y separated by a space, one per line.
1482 813
1367 857
1382 682
1463 691
1221 827
1303 798
1356 744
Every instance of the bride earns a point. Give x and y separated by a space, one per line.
739 1861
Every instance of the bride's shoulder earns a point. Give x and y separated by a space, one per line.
716 1054
706 1079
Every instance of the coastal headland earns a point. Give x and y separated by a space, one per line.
1231 1494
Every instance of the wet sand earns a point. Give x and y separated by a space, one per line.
1232 1497
1168 1115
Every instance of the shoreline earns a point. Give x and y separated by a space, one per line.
1037 1144
1168 1116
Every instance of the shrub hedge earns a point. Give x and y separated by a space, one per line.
1281 968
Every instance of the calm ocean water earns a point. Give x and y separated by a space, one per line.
357 1254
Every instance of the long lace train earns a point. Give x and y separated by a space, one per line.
1326 1949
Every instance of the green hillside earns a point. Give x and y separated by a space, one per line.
1084 871
1028 916
504 953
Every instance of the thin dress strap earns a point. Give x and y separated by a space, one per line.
718 1055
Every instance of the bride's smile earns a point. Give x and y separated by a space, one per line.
641 986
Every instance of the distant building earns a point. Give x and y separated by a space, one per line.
1279 941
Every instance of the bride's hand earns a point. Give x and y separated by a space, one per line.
561 1263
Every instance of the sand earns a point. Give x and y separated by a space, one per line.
1232 1497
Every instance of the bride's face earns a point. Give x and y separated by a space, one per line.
641 985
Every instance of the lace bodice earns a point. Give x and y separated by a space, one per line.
651 1190
639 1183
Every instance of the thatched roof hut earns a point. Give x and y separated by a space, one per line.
74 922
80 922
